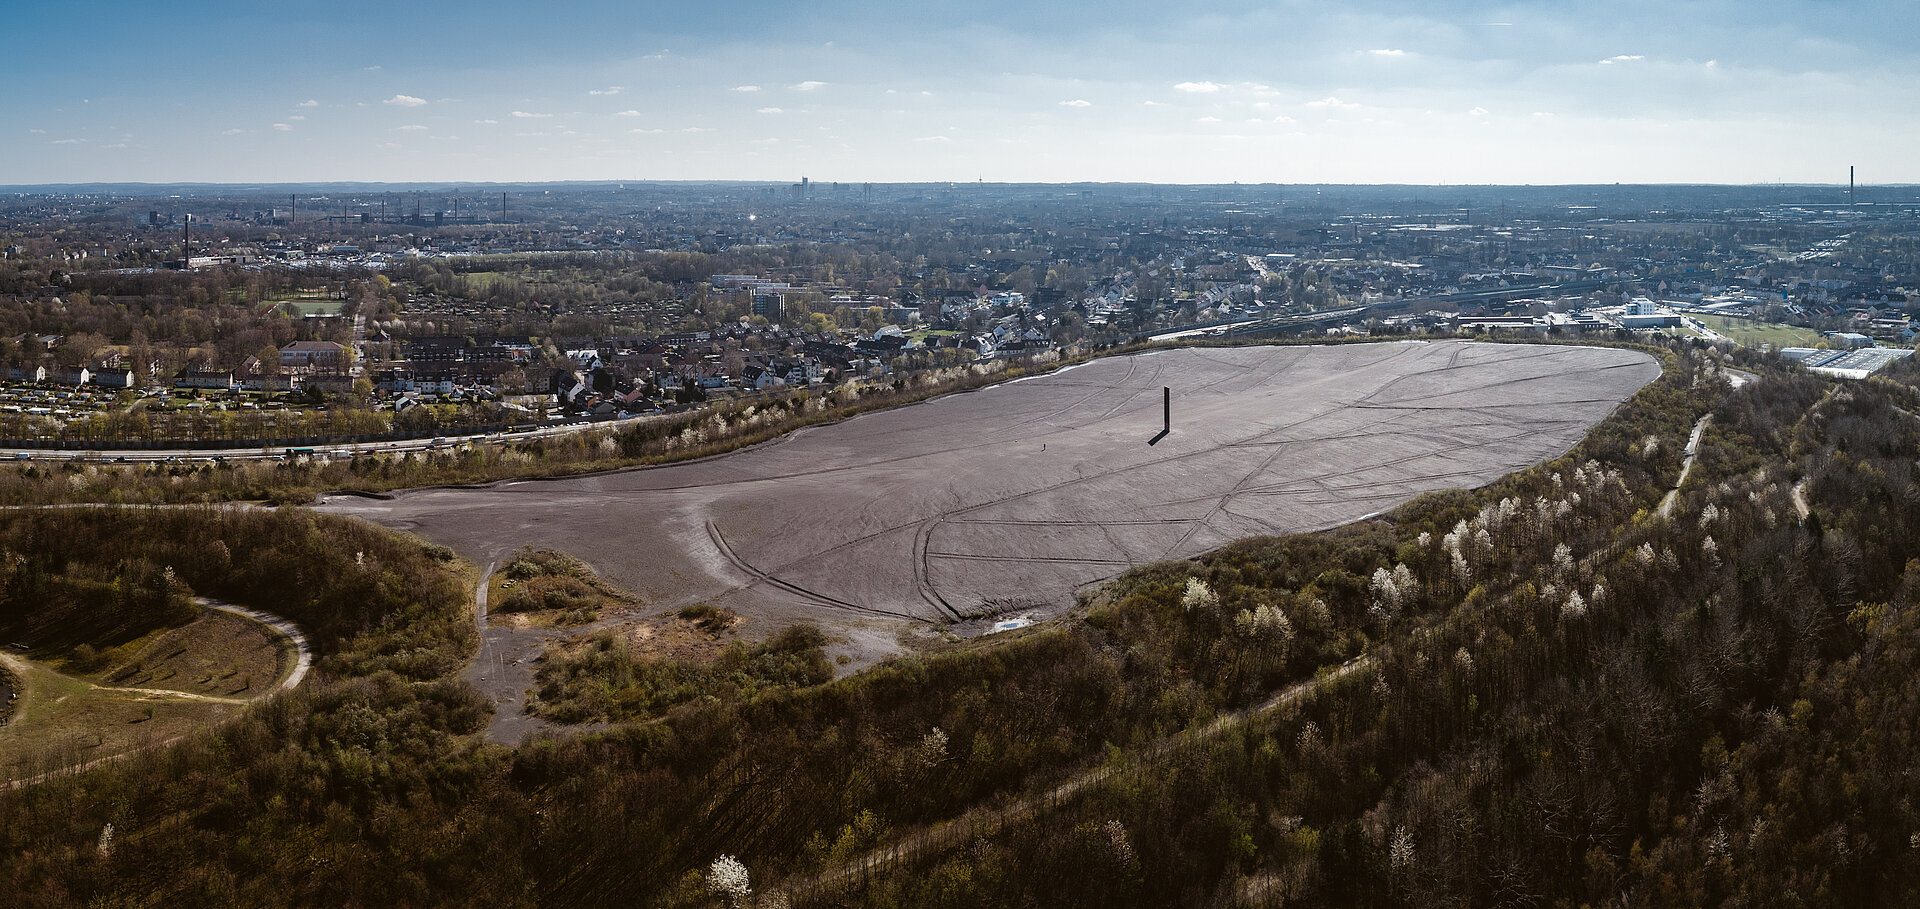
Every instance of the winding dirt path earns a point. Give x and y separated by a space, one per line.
1686 467
303 661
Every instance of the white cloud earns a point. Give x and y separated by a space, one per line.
115 145
405 101
1543 114
283 127
298 117
486 121
232 132
1208 120
746 88
933 139
1332 103
1077 102
78 141
37 132
628 113
609 90
807 86
524 115
769 110
1197 88
412 126
1477 112
1388 52
1283 119
647 131
308 103
1622 58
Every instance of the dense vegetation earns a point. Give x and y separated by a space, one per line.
77 610
1563 693
371 600
603 678
1704 710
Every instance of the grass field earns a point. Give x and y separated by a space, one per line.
149 690
217 655
309 301
316 306
1749 333
68 720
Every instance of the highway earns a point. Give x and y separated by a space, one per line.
283 451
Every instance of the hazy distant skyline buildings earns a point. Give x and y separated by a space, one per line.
1366 92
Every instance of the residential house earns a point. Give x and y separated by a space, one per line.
314 358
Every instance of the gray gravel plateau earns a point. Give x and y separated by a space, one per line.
1010 498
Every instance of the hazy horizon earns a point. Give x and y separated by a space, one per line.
1292 93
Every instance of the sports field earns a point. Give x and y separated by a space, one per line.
1751 333
1014 496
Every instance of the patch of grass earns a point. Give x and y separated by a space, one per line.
548 586
1750 333
310 302
220 654
603 678
710 618
70 720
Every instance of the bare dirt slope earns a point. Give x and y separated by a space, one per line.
1017 495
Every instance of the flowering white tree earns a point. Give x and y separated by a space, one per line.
1266 625
1386 595
933 747
1199 596
1404 582
1400 850
727 877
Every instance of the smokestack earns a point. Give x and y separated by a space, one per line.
1850 199
293 208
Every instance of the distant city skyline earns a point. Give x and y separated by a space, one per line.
1207 92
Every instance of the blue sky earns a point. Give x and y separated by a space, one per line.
1362 92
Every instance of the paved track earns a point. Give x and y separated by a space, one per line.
1017 495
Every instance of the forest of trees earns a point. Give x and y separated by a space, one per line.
1555 692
